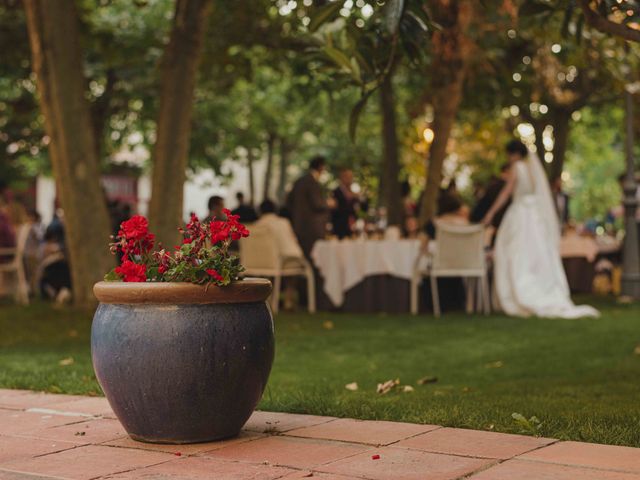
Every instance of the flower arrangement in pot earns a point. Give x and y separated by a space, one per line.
182 347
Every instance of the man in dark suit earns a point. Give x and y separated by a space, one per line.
561 201
246 212
343 215
488 198
308 206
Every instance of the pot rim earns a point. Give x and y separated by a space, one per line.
247 290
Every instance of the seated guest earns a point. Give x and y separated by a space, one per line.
344 213
450 210
54 276
286 242
281 229
216 207
7 233
245 211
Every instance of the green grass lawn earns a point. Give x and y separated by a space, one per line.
580 378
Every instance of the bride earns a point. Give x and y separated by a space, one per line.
528 274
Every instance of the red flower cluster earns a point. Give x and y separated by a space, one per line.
135 237
132 272
202 257
232 229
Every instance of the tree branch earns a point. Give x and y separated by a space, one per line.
607 26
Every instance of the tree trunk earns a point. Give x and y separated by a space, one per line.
170 154
271 141
282 177
252 180
390 194
57 64
561 125
451 53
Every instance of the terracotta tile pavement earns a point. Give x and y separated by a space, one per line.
48 437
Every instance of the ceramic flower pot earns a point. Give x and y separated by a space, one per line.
181 363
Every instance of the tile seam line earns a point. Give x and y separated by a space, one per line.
575 465
106 475
46 477
355 442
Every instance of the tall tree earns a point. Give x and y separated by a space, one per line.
390 194
171 150
451 51
57 63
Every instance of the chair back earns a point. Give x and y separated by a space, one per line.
259 252
459 250
22 235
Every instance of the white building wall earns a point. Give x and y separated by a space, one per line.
197 189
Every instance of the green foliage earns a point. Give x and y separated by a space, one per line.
595 159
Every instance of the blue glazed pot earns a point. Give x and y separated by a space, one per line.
180 363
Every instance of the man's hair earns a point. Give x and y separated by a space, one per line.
215 201
240 196
267 206
517 147
317 162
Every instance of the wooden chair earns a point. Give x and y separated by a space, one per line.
15 266
459 252
261 258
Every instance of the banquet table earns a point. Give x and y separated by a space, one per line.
579 254
343 264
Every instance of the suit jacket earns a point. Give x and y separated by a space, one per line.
561 200
486 201
309 211
343 213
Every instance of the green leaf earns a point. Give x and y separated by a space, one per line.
338 57
534 7
324 14
112 276
355 114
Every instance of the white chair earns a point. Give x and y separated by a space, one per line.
459 252
261 258
16 265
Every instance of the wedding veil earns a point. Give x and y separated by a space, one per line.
544 199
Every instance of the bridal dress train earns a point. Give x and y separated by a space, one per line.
528 272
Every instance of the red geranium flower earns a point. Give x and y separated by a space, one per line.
215 274
136 228
132 272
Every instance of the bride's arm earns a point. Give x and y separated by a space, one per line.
503 197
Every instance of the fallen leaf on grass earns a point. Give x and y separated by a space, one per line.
328 325
351 386
387 386
66 361
426 380
407 389
73 333
636 350
497 364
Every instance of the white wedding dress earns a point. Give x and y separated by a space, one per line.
528 272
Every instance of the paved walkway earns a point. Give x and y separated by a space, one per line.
44 436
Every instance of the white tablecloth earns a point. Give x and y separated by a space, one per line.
345 263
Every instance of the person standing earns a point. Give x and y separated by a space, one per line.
216 209
561 200
528 273
245 211
308 207
344 214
